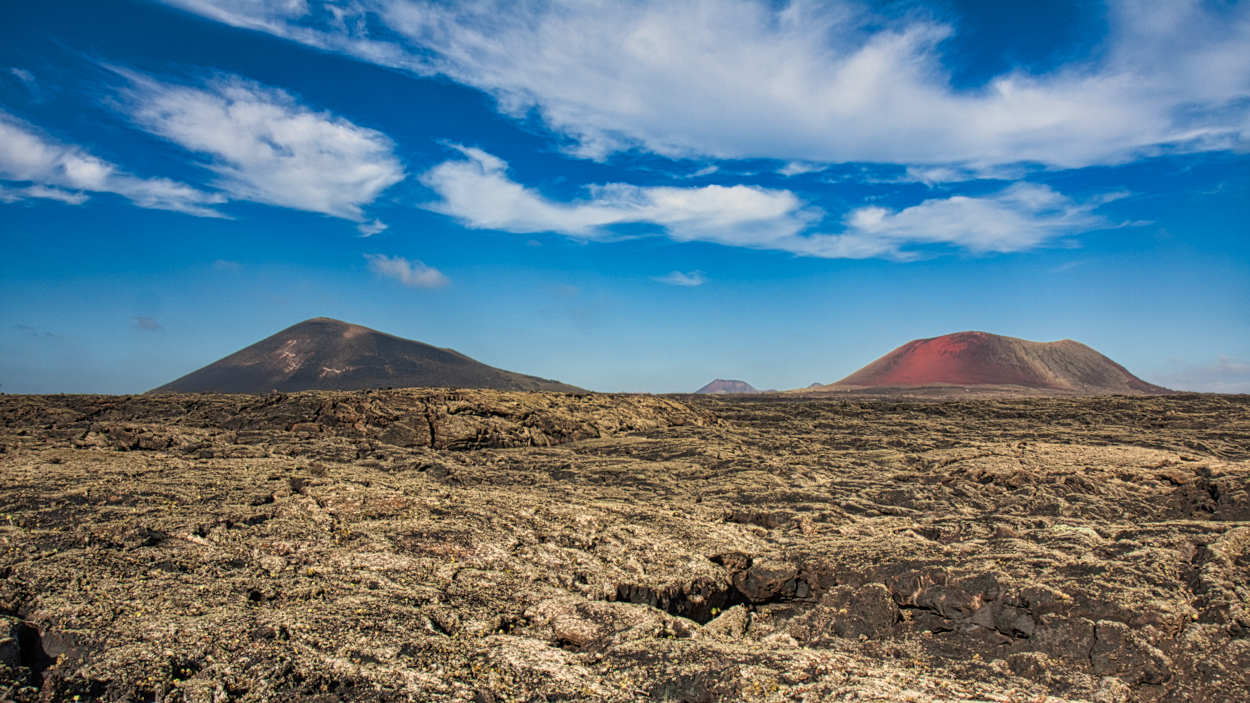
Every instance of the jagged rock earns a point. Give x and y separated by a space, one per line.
10 647
583 625
1116 651
768 580
867 611
731 624
1064 638
1011 621
1031 665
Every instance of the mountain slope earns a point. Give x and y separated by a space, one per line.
326 354
983 359
721 385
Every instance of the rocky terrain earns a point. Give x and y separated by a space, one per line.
490 546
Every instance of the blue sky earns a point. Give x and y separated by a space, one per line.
626 196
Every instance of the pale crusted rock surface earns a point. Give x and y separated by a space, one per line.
490 546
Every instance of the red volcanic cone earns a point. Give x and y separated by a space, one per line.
982 359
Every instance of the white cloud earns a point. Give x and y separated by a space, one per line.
478 192
368 229
677 278
62 172
1021 217
24 76
1224 375
411 273
795 168
266 147
803 81
12 195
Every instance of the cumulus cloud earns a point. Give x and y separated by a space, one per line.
63 172
266 147
677 278
802 81
411 273
1224 375
478 192
1021 217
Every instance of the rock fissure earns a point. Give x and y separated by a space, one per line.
700 602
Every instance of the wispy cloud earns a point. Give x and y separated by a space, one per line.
33 331
26 77
368 229
410 272
479 193
564 290
12 195
677 278
808 80
63 172
266 147
1067 266
1224 375
147 324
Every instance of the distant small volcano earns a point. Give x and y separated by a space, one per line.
328 355
721 385
979 359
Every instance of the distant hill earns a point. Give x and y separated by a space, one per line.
980 359
329 355
721 385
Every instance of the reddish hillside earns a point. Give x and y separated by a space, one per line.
982 359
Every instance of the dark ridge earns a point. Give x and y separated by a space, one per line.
322 354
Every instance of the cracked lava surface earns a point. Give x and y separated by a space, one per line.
489 546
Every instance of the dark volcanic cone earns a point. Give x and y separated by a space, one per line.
329 355
982 359
721 385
